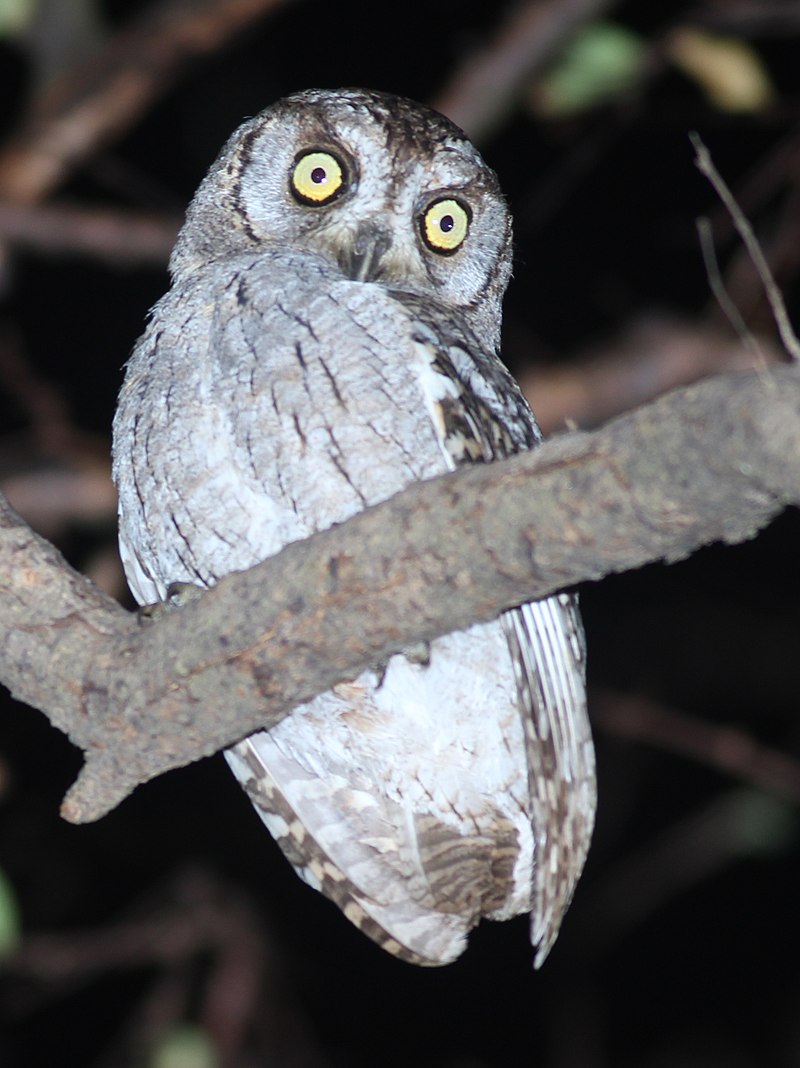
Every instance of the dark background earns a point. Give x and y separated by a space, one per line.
681 948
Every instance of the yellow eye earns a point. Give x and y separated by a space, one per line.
444 225
317 177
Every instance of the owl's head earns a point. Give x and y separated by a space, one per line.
389 191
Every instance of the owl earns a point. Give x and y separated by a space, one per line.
331 336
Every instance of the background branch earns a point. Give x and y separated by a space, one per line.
100 96
119 238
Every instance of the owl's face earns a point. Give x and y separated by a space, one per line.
388 191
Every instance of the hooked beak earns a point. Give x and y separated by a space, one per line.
361 260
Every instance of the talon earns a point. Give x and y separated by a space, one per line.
418 653
147 613
179 594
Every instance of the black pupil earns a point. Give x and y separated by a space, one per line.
319 175
446 223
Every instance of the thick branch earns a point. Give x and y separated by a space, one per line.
715 461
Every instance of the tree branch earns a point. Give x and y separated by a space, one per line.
715 461
119 237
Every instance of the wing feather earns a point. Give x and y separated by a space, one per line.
546 642
347 848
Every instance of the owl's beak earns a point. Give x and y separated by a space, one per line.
361 259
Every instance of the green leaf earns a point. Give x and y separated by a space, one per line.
184 1046
598 64
10 925
15 16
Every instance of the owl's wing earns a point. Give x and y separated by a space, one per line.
483 419
421 405
546 639
354 848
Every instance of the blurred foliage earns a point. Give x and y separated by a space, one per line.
10 923
730 71
761 824
15 16
605 60
184 1047
601 62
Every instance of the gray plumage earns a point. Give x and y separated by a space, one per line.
330 336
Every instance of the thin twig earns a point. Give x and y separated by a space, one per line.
726 748
723 297
705 165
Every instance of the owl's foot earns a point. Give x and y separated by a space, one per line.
418 653
179 594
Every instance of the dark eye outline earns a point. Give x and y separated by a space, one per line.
444 198
345 182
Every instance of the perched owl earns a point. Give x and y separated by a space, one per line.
331 336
